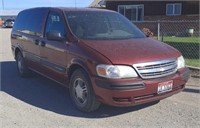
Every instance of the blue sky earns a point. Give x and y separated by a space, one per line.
23 4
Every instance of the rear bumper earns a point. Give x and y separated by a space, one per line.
129 92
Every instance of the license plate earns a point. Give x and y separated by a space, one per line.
165 87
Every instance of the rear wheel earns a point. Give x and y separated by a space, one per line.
81 92
21 66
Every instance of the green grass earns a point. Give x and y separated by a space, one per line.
192 62
189 46
193 40
181 39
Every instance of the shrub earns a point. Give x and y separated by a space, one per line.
147 31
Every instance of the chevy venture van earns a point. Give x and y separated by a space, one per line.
99 54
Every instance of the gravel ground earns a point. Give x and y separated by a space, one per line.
37 102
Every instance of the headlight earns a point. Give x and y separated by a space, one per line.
115 71
181 62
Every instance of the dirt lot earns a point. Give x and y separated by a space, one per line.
37 102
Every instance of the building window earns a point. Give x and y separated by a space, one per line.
132 12
173 9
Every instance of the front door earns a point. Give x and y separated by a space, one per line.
54 54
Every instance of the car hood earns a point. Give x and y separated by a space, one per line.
132 51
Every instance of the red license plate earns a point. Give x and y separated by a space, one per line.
165 86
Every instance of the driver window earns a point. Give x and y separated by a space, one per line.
55 24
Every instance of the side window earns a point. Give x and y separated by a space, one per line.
31 21
173 9
132 12
55 23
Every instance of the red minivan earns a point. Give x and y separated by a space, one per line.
99 54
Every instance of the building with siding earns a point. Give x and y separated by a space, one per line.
154 10
166 17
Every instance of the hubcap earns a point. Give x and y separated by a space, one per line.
80 91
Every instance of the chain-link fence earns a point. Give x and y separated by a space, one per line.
183 35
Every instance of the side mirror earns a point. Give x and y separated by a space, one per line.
55 36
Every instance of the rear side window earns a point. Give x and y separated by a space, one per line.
55 23
31 21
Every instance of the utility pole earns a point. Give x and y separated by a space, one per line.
75 3
2 4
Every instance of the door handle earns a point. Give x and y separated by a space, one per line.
42 43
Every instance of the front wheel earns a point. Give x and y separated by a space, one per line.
81 92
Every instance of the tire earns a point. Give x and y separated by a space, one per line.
21 66
81 92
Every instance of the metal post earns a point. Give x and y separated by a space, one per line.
75 3
158 30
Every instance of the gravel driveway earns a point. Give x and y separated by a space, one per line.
37 102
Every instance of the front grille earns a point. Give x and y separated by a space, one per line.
156 69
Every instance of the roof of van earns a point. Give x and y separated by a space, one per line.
71 9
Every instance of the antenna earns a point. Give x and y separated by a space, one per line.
75 3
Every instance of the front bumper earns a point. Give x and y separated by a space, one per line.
129 92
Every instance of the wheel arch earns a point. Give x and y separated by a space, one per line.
17 50
78 64
74 67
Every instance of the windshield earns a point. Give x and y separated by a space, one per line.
95 25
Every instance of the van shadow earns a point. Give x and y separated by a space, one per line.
45 94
